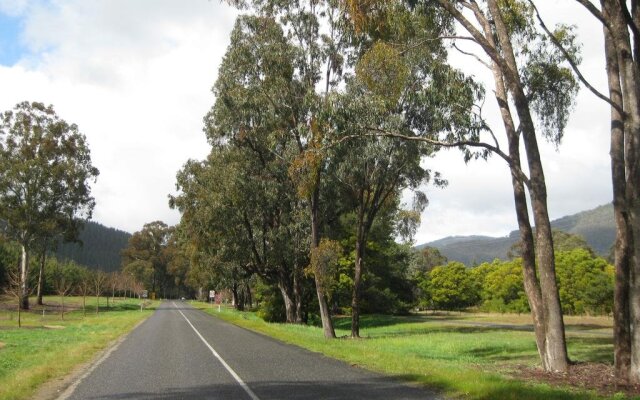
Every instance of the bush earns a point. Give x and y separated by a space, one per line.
450 287
585 282
271 305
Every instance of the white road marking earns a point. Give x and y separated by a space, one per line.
222 361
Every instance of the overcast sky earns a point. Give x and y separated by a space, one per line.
136 78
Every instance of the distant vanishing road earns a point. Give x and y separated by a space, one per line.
183 353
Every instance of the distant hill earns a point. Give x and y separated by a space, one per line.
100 248
596 226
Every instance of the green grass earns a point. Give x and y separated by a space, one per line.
442 352
48 347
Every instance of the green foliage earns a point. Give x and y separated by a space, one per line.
271 306
585 282
449 287
153 258
324 262
502 286
9 259
551 85
45 171
383 71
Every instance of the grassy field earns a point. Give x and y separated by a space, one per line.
474 356
47 347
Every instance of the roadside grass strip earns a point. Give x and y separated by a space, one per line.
459 359
47 348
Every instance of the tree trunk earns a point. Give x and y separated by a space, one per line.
357 280
234 293
530 278
249 297
630 82
297 297
24 278
555 351
43 259
289 306
325 316
621 316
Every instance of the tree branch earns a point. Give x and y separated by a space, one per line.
595 12
480 60
572 62
377 132
629 20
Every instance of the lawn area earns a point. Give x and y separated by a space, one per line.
47 347
463 355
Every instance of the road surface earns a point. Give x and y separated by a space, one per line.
183 353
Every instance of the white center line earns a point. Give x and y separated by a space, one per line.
222 361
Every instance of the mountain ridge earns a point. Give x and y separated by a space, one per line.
99 248
596 226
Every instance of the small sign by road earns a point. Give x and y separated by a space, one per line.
212 294
145 294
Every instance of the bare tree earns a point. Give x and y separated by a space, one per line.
113 282
15 289
137 287
98 280
84 288
62 285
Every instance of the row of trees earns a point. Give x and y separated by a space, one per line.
302 79
585 285
308 97
153 258
64 278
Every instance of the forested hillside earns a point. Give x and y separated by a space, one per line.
596 226
100 247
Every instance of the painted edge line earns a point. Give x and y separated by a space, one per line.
222 361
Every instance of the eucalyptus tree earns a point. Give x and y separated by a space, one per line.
241 215
372 173
621 31
45 172
283 62
532 86
146 250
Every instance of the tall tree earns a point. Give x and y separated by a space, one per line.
283 62
147 247
621 30
372 174
240 216
45 171
530 81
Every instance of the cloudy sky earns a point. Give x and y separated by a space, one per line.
136 77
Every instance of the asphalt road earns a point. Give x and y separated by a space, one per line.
183 353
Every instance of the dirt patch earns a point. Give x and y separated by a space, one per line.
54 326
589 376
1 345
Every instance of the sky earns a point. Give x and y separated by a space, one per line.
136 77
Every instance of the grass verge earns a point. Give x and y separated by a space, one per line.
459 356
47 347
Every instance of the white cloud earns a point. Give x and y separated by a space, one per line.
479 199
136 78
